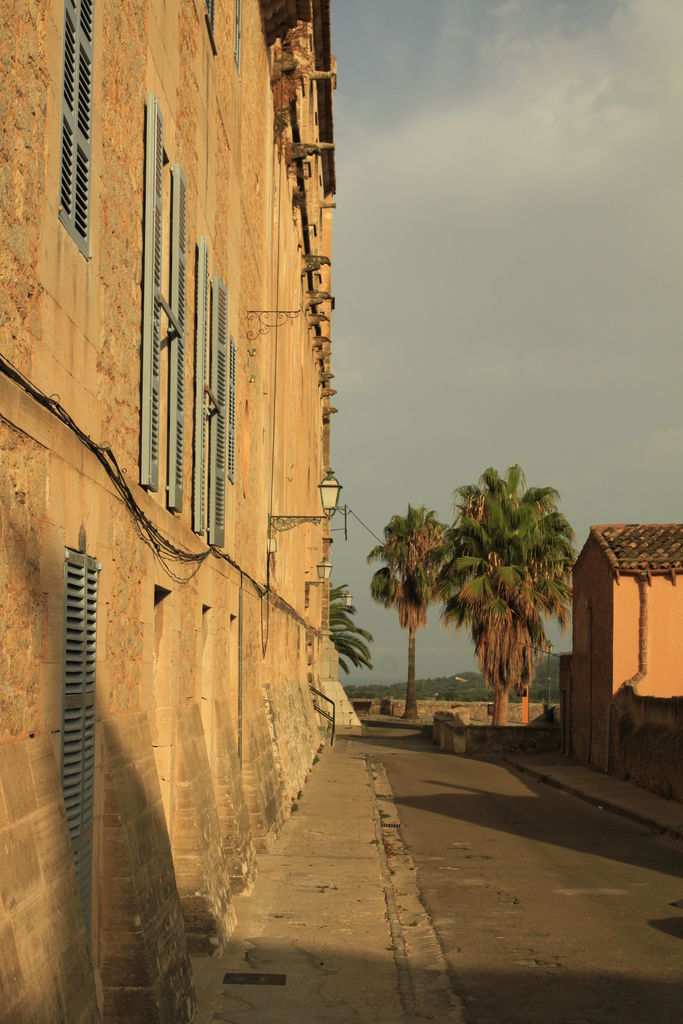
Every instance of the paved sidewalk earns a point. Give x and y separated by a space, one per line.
605 791
324 915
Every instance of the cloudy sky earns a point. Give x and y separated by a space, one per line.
508 259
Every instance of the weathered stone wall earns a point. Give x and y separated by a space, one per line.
426 709
647 742
482 740
142 965
44 966
204 729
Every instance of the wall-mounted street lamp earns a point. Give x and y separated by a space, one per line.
329 488
346 599
324 570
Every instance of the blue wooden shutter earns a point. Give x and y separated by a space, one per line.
238 31
231 414
151 310
76 149
78 714
218 428
201 356
176 405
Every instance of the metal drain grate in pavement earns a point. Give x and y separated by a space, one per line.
391 824
241 978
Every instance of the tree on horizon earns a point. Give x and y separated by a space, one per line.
411 552
508 555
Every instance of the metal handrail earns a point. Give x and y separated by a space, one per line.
325 714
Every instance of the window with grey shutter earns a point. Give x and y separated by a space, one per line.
76 149
201 357
78 713
151 309
238 31
176 405
231 414
219 397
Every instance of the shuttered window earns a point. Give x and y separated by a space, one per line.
201 358
231 414
219 411
238 31
76 148
78 714
209 9
176 407
151 287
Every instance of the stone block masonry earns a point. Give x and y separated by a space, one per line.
44 965
156 722
458 737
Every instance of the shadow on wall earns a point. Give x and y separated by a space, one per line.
142 959
647 742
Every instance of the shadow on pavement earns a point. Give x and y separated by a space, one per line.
670 926
510 803
336 984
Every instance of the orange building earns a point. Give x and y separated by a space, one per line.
627 635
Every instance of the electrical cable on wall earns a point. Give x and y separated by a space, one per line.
164 550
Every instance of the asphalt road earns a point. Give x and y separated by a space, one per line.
547 909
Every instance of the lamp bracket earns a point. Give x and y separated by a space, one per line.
281 523
267 319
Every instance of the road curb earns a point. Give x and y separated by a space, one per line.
604 805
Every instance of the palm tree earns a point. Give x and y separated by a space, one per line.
348 638
412 555
505 572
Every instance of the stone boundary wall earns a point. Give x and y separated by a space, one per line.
456 737
426 709
647 742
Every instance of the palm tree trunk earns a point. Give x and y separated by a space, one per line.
411 703
500 706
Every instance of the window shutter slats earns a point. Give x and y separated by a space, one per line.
151 310
201 353
78 713
218 428
231 413
76 153
177 345
238 31
87 19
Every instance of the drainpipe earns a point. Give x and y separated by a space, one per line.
633 682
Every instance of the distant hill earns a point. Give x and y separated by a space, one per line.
452 688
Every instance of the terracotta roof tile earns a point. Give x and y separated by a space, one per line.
638 547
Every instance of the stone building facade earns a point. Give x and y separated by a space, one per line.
167 174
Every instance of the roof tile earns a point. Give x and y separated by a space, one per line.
638 547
